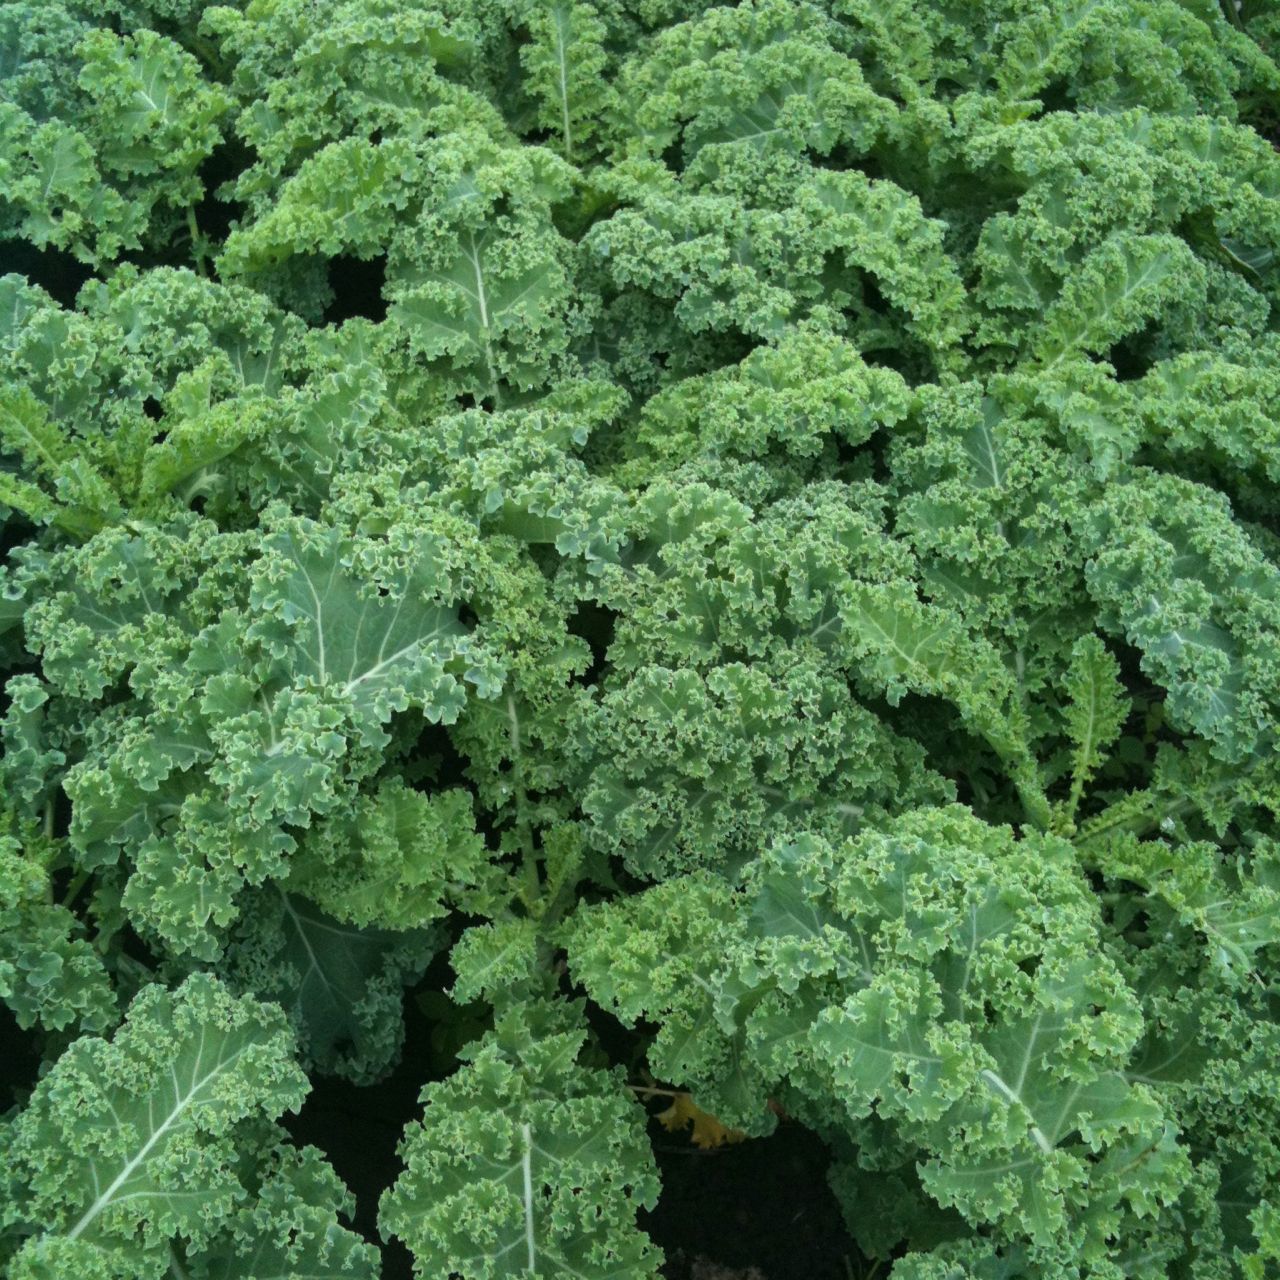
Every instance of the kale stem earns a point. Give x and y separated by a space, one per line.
1074 799
524 830
197 245
207 52
73 889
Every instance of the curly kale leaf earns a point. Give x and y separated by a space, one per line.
526 1163
143 1143
50 974
342 986
249 719
938 976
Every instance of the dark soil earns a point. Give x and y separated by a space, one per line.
763 1204
19 1061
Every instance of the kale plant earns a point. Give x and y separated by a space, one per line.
752 524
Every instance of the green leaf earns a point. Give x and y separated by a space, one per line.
1175 575
129 1142
526 1164
1125 283
899 643
379 646
878 227
50 975
342 986
567 70
289 1230
495 297
401 860
1095 715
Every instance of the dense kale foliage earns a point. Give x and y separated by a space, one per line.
756 521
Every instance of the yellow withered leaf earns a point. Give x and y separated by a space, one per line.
708 1132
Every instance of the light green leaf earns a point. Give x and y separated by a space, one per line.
484 310
289 1230
378 647
128 1142
1123 284
1095 714
526 1164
